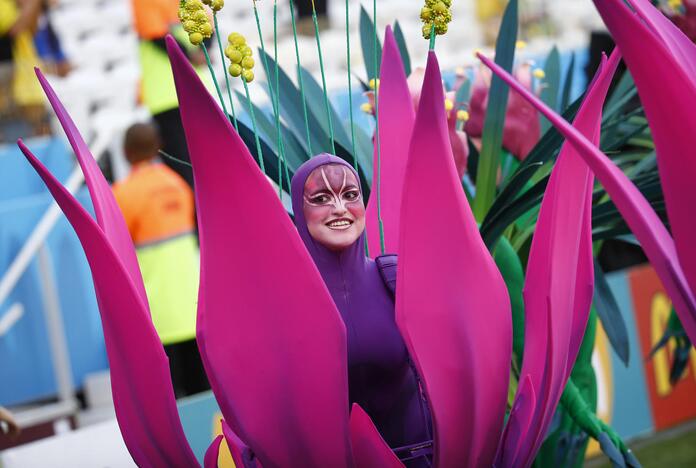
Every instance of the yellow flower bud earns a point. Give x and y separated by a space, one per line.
231 38
239 41
199 16
235 56
440 7
196 38
449 105
462 115
248 76
539 73
206 29
193 5
217 5
235 70
372 83
520 44
366 108
248 63
246 51
190 26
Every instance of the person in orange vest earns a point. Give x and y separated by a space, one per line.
158 208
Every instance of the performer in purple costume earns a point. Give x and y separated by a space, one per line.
330 217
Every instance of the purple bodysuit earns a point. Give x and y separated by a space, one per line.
381 378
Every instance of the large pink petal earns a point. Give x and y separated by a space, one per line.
241 453
679 45
663 67
560 276
396 119
108 213
452 305
369 449
641 218
272 340
140 380
210 460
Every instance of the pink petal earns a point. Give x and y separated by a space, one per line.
210 460
396 118
140 380
641 218
560 274
108 213
452 305
662 64
273 343
241 453
369 449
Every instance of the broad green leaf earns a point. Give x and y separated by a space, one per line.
610 316
403 48
492 137
367 37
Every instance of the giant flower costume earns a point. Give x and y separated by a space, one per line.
278 358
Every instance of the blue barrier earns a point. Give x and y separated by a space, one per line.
26 372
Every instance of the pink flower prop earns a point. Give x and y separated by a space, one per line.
396 120
452 305
558 284
650 42
140 379
277 362
641 218
522 128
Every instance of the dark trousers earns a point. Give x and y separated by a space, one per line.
174 142
304 8
186 367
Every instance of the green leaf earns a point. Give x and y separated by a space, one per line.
610 315
545 150
315 100
367 37
568 83
552 83
463 93
291 107
295 154
403 48
492 137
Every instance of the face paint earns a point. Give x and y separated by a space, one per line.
333 207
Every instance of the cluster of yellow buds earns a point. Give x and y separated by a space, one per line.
195 21
436 12
215 5
240 55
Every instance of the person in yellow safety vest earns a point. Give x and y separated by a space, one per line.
158 208
153 20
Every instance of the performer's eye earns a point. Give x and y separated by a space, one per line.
351 195
320 199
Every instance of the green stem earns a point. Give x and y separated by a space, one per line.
433 36
212 74
227 78
253 124
281 144
377 138
323 78
350 91
299 78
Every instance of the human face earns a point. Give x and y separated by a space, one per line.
333 206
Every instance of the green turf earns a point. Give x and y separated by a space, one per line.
674 452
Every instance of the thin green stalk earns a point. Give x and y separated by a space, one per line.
323 77
212 74
227 78
281 145
253 123
377 138
299 78
350 90
433 36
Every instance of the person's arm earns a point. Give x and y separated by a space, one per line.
7 423
29 11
